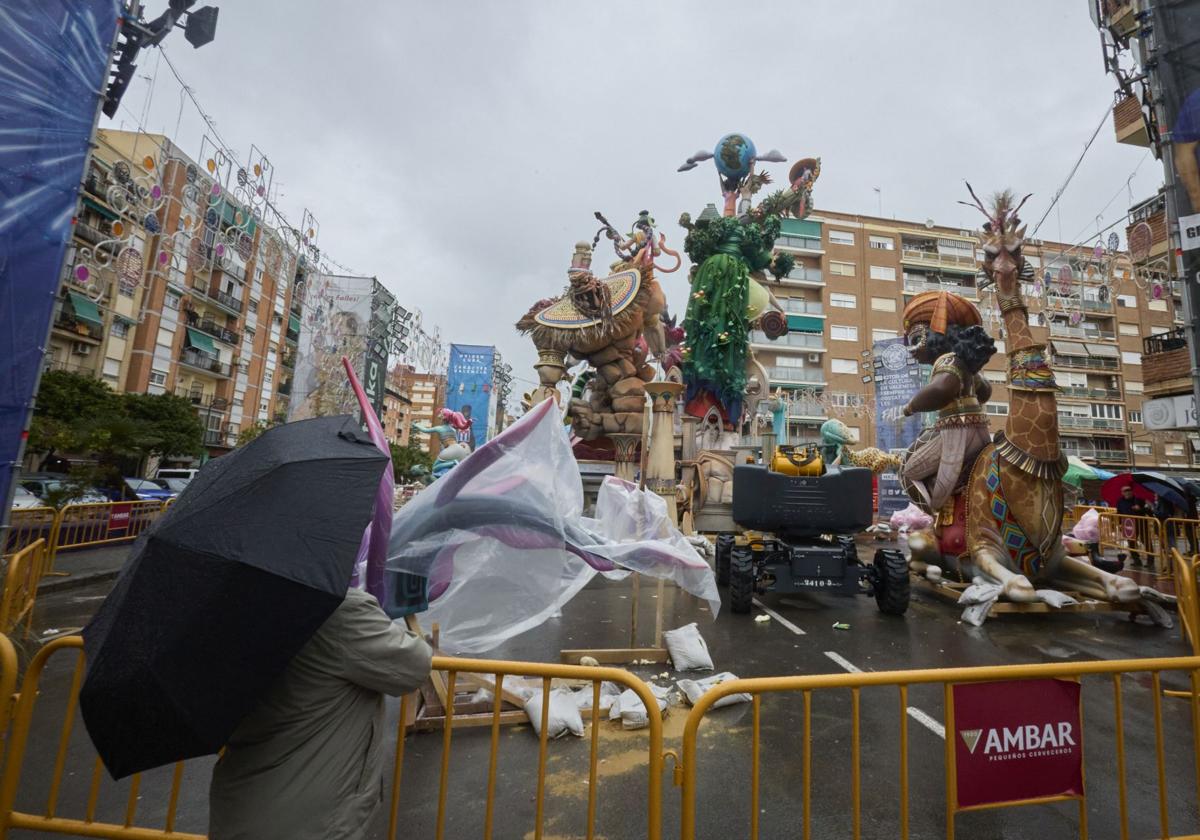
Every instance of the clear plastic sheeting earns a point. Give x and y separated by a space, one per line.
504 545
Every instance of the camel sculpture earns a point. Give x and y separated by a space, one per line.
1004 527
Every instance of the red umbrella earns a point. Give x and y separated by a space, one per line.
1110 490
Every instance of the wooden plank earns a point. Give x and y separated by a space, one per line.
950 593
481 681
616 656
437 722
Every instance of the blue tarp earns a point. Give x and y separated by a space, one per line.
56 56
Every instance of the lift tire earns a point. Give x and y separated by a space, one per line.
741 580
892 583
724 550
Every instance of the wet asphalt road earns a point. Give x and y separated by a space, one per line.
804 642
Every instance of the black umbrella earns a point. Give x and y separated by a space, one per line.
1162 485
227 586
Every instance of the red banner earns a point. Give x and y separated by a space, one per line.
1017 740
118 519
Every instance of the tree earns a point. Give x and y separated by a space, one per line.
161 424
251 432
404 458
69 413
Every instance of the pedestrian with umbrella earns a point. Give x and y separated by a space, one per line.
233 625
1131 500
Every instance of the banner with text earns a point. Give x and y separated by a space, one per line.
1016 741
336 323
897 377
469 389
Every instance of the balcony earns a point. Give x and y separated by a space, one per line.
1067 331
796 374
228 301
937 258
1063 304
220 333
1166 363
284 389
1129 123
807 244
797 340
803 275
802 307
914 287
1086 392
79 328
1069 421
234 271
203 362
1120 16
1152 212
1096 454
90 234
805 409
1085 362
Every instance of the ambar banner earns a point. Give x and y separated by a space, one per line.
897 377
55 57
1016 740
469 388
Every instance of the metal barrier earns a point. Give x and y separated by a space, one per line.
1188 602
80 526
1177 532
461 671
27 526
1140 537
948 679
21 580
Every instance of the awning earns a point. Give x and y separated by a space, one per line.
100 208
294 324
796 323
1069 348
85 309
800 227
1103 351
201 342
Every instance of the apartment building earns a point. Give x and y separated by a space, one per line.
855 273
174 285
426 393
397 413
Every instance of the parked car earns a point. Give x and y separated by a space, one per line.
47 486
175 485
23 499
177 472
146 490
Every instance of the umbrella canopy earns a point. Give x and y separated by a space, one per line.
1163 485
1110 491
226 587
1078 472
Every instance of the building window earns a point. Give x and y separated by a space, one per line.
112 368
844 366
171 301
841 237
252 307
158 378
882 335
1106 411
882 243
883 304
268 378
883 272
1130 329
1142 448
1127 301
1134 387
120 329
995 376
1158 305
1131 358
843 301
1000 409
1000 347
262 406
1175 449
1135 417
841 269
839 333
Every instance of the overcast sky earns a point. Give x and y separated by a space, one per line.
458 150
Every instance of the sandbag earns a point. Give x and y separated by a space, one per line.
688 649
631 711
563 717
693 690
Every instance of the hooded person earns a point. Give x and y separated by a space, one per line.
945 330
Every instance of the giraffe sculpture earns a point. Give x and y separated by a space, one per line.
1004 527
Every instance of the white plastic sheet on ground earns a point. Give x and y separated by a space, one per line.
504 543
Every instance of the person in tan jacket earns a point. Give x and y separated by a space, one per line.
307 762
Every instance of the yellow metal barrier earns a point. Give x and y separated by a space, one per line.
1140 537
21 580
81 526
460 671
1188 599
27 526
902 681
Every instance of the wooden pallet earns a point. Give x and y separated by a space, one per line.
950 592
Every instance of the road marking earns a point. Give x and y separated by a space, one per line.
846 664
913 712
928 722
778 618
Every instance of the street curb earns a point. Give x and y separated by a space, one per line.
59 584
